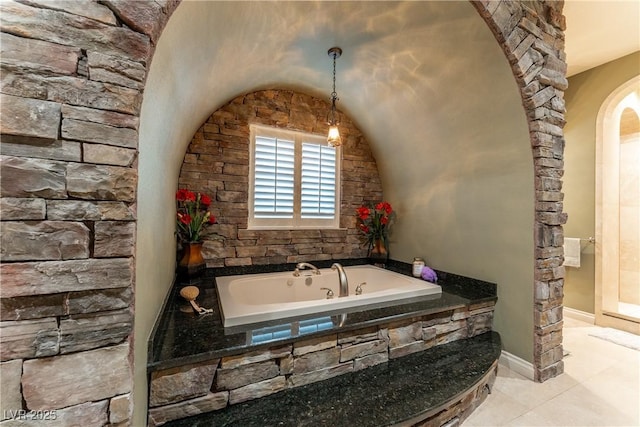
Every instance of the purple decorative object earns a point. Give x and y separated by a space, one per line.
429 275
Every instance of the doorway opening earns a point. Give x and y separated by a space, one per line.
618 210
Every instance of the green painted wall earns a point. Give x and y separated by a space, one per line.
464 192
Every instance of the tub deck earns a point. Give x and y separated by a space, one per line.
180 337
184 344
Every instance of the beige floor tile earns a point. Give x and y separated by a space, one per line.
589 355
497 410
619 388
581 366
573 323
600 387
577 407
533 419
529 393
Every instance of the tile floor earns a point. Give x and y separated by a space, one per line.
600 387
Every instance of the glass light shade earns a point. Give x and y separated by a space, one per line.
334 138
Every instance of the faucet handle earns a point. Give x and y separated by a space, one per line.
296 272
329 292
359 288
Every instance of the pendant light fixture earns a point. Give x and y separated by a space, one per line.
334 138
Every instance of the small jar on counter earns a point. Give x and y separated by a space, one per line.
418 264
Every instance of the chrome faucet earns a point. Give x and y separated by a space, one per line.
302 266
342 277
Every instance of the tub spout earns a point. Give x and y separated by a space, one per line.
302 266
342 277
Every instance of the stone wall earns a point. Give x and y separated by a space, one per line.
217 163
212 385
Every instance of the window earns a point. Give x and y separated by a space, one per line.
294 180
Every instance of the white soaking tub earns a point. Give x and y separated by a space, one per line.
253 298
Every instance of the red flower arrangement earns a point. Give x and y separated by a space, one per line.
374 223
192 215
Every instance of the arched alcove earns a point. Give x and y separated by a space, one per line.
221 147
400 88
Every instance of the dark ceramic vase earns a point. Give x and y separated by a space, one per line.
378 252
192 263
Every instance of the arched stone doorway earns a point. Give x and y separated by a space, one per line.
96 86
544 99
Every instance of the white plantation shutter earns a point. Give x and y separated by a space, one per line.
318 185
294 180
274 178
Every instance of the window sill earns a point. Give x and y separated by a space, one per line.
285 227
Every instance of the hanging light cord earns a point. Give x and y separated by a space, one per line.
333 137
334 95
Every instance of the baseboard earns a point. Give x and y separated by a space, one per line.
517 364
524 368
582 316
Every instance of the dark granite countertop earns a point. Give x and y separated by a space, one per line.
382 395
181 337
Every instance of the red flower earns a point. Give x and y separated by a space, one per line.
384 206
181 195
184 195
184 218
193 216
363 212
374 222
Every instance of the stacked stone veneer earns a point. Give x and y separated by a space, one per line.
459 410
212 385
531 35
71 84
217 163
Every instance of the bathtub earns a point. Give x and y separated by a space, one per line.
254 298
